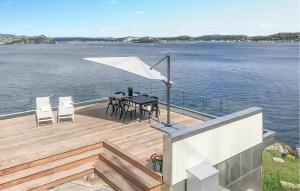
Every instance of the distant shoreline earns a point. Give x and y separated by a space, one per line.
279 37
42 39
170 42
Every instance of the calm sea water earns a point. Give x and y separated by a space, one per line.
229 75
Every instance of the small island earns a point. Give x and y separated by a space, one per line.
14 39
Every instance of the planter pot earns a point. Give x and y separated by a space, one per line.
130 92
156 168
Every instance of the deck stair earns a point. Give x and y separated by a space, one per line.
117 164
116 167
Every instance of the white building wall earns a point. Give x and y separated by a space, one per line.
214 145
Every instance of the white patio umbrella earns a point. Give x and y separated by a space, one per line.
137 66
130 64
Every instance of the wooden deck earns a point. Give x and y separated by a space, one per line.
21 141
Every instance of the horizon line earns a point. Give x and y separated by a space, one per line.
146 35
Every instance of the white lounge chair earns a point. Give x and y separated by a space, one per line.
65 109
43 110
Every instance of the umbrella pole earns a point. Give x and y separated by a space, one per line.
168 84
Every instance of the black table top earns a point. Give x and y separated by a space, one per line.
140 99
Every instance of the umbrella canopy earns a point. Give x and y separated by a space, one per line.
130 64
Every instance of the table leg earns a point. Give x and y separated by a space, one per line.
156 112
140 112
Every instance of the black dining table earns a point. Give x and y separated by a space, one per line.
141 100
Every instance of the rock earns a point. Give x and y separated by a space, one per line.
87 183
279 160
289 185
91 181
298 151
283 149
275 147
221 188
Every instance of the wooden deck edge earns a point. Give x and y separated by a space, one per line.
64 180
50 159
49 171
129 158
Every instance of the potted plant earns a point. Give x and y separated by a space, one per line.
157 162
130 91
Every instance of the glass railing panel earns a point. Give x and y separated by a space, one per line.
17 100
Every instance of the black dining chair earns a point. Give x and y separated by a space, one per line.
156 104
112 102
148 111
127 108
119 106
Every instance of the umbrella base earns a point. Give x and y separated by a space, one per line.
173 128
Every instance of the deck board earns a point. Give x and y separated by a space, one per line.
21 141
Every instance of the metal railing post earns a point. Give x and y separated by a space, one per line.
94 90
203 104
74 89
227 106
31 100
221 104
111 88
5 106
183 102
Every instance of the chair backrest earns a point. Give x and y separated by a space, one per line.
154 97
42 101
124 104
120 93
111 100
64 99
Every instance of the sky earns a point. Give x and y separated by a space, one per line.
119 18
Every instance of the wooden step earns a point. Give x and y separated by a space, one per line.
52 180
131 159
131 172
113 178
49 159
48 168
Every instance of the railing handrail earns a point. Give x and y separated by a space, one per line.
212 124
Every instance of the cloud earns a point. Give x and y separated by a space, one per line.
266 25
139 12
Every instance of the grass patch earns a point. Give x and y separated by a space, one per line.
274 172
